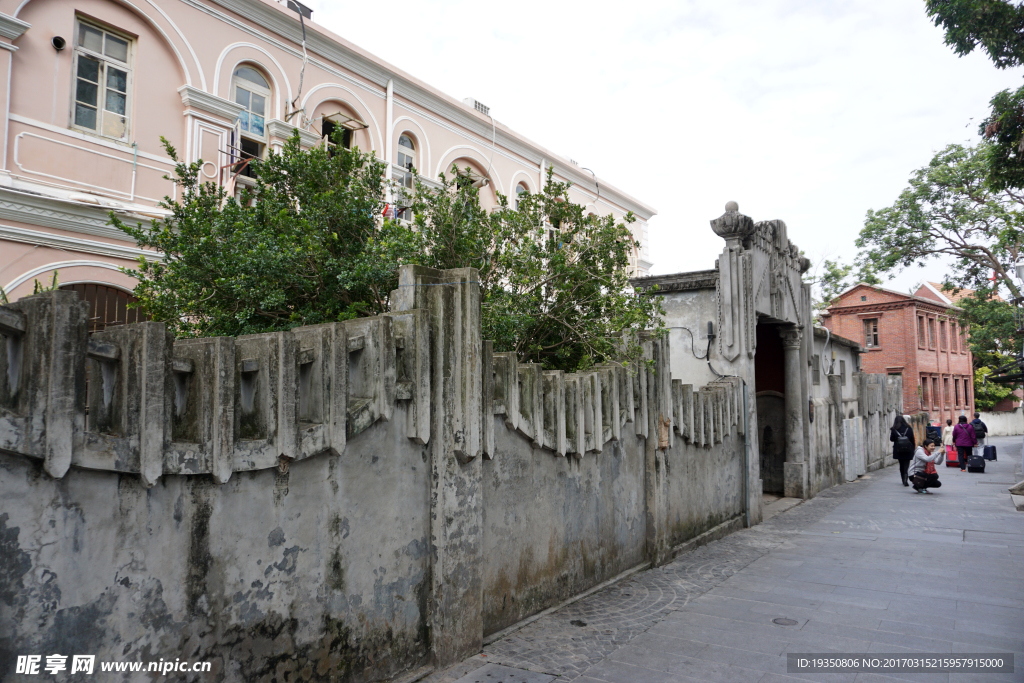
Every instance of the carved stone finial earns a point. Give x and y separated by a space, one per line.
733 226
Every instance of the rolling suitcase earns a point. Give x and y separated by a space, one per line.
990 453
976 463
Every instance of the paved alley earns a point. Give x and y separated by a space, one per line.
867 567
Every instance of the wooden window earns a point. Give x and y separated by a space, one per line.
931 333
956 392
102 82
945 391
924 392
936 399
942 334
871 332
842 373
816 369
107 306
920 331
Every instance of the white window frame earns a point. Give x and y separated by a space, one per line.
266 93
252 88
127 67
408 177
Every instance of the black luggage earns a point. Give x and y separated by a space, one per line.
975 463
990 452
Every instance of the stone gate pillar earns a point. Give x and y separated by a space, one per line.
452 298
795 468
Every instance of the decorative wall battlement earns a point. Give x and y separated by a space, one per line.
133 399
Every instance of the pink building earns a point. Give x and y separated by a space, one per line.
93 85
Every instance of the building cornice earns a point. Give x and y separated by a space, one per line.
60 214
677 282
286 25
12 28
194 98
931 306
74 244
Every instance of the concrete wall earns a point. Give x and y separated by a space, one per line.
345 501
1010 423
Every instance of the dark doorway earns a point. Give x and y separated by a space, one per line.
770 392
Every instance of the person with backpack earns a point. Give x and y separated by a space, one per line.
965 440
922 471
980 431
903 445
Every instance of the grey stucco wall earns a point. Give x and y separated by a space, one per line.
555 526
704 487
314 573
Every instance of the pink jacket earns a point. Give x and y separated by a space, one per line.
963 436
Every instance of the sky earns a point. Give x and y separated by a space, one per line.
810 112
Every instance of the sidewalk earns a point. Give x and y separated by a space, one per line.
869 566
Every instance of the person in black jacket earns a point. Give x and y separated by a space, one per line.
898 434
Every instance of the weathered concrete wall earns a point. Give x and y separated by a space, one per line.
317 572
344 501
554 526
1009 423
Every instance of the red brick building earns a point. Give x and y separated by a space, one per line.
916 336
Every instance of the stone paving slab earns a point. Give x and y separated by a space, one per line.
495 673
869 566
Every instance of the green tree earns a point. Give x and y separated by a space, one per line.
993 337
1003 128
832 278
305 245
997 26
987 393
554 279
948 210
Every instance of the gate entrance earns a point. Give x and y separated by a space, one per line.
770 393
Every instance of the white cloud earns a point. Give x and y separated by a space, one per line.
812 112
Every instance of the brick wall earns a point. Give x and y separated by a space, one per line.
941 360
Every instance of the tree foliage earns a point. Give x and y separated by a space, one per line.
948 210
307 245
997 26
1004 131
993 337
303 246
554 279
832 278
988 394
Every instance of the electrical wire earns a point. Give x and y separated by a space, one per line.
692 349
302 74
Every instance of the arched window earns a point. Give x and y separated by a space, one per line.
108 306
406 158
252 91
521 189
